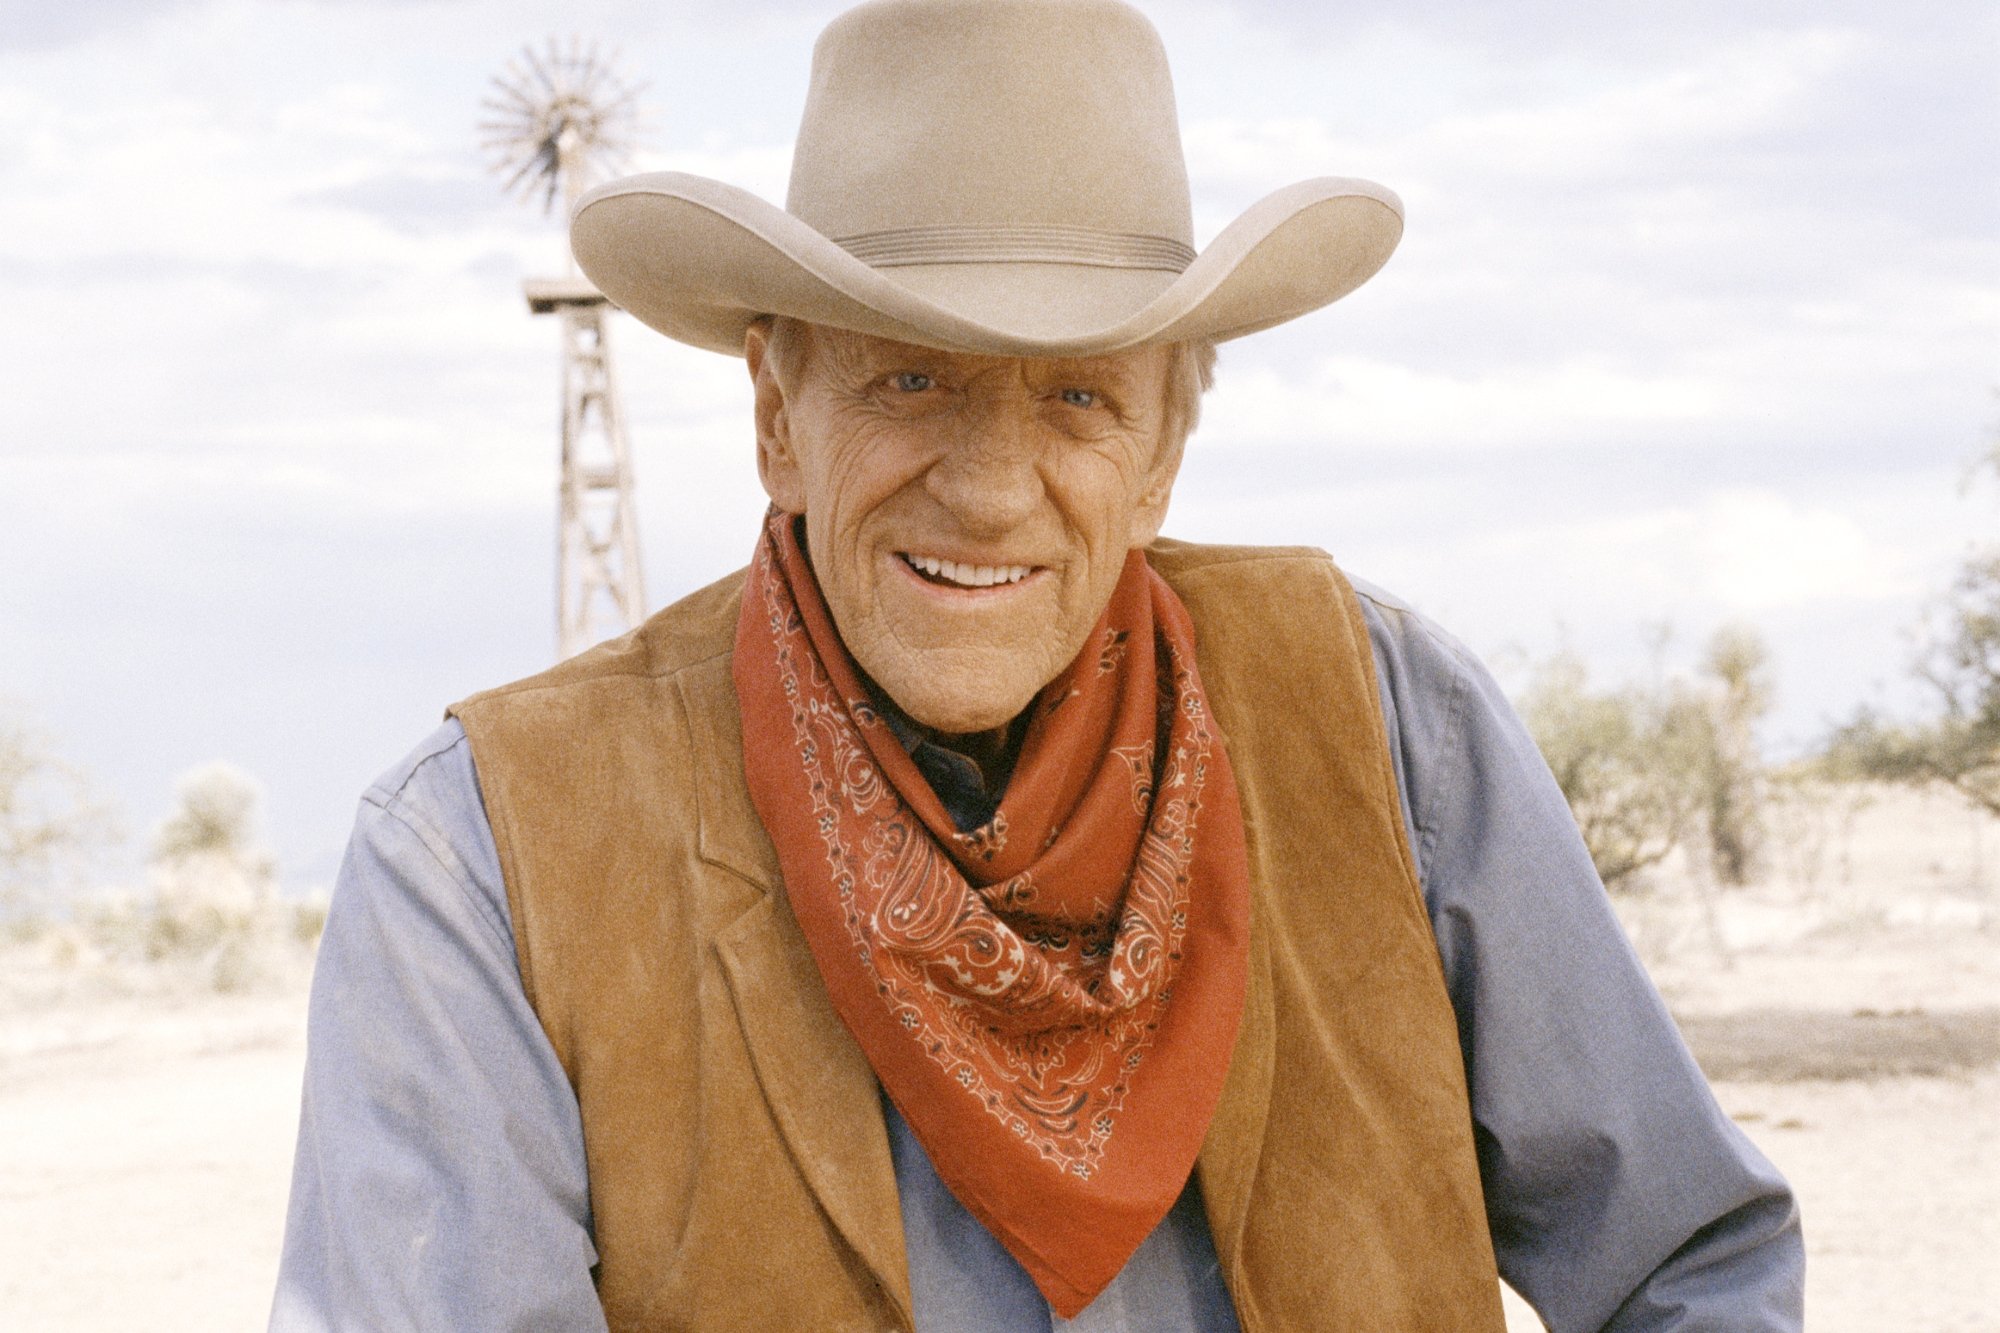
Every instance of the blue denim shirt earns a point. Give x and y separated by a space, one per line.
440 1179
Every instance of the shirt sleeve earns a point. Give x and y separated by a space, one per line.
440 1181
1620 1196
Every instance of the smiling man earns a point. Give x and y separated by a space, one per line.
973 513
981 913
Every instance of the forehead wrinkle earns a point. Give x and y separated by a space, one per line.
854 354
1118 370
845 354
862 353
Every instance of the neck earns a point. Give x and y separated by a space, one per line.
994 750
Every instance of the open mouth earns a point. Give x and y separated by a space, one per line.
953 574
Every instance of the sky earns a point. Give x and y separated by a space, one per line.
1696 320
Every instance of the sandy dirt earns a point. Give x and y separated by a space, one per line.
145 1153
1850 1018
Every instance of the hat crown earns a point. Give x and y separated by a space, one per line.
935 116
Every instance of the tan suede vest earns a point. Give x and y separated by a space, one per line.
740 1175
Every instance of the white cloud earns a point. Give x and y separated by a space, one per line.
764 170
1756 84
1760 551
1740 552
1691 322
1356 400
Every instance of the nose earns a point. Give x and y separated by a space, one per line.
990 477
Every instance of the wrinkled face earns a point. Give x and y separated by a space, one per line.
967 516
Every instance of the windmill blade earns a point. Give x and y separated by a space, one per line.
533 81
558 117
589 75
613 141
507 121
540 164
626 99
519 79
542 74
514 102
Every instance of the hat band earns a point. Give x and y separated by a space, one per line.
1016 245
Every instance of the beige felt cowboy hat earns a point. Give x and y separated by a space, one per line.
996 176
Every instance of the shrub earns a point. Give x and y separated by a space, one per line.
1959 663
1647 768
50 824
1622 760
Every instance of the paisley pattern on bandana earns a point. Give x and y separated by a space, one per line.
1028 975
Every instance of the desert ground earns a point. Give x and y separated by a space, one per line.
1847 1007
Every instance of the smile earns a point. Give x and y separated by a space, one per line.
951 573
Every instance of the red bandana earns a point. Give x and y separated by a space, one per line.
1051 999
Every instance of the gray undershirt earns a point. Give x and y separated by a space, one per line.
440 1180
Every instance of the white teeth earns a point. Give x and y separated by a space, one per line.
968 576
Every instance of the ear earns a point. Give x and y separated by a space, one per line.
1150 514
777 464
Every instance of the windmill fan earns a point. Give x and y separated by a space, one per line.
562 120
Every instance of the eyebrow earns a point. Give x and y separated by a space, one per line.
1101 369
865 361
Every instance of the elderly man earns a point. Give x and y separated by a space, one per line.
981 914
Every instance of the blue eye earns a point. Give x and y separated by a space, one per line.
1079 397
910 381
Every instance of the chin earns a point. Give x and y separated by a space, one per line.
956 707
956 717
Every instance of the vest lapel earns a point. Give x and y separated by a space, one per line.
819 1086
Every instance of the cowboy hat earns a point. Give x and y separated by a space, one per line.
988 176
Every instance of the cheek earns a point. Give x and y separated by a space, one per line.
1099 491
853 468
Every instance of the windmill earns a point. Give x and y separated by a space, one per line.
563 119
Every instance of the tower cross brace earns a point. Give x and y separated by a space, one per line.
600 586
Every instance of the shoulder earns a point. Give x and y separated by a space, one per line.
1252 605
1228 583
663 684
1417 661
698 628
1439 697
424 820
1173 557
425 774
433 788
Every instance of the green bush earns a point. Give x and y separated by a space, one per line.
1958 746
51 826
1648 768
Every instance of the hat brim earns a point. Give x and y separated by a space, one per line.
700 260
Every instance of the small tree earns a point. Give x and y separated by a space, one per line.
1626 761
1729 767
214 881
1647 768
217 814
50 824
1960 664
208 851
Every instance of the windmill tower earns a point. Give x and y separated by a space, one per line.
562 119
